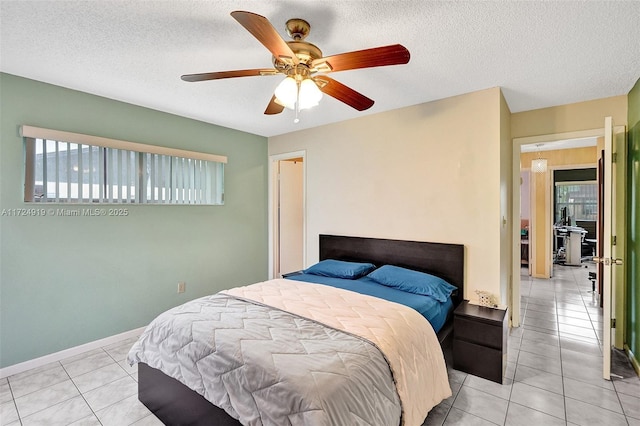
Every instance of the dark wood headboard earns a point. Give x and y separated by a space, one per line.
440 259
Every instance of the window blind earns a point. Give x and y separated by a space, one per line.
63 167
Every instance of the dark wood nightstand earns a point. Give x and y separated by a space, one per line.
480 341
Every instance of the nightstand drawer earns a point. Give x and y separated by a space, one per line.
478 332
479 360
480 340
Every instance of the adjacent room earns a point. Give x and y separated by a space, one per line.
320 213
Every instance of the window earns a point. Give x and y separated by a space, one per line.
579 198
64 167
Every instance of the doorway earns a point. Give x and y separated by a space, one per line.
545 236
287 218
540 238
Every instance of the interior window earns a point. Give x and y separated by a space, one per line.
576 201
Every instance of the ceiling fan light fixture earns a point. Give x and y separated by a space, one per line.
307 94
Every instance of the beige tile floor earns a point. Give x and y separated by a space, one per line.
554 370
94 388
553 375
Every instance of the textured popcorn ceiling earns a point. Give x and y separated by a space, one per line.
541 53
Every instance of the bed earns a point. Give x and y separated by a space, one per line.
178 404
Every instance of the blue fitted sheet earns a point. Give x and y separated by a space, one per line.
435 312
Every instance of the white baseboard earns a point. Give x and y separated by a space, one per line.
58 356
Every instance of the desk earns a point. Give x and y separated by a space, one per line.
572 237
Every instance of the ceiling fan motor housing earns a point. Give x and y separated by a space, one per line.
304 51
298 29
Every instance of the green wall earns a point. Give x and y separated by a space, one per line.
633 256
65 281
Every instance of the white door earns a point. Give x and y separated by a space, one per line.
611 254
290 217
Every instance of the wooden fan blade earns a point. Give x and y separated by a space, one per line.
261 28
273 107
343 93
376 57
229 74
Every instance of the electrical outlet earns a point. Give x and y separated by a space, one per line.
182 286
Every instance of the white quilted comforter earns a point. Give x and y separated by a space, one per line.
405 338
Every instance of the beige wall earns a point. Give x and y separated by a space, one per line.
431 172
569 118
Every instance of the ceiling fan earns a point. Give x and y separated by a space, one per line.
305 67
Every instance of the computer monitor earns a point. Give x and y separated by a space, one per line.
563 216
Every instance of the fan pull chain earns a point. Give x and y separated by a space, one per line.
297 120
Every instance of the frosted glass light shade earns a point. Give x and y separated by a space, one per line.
539 165
310 94
287 93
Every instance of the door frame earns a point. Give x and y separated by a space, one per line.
614 241
514 303
273 201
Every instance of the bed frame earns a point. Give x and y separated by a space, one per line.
175 404
443 260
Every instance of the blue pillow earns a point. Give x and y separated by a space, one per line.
413 282
340 269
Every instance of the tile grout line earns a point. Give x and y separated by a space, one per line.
506 414
13 400
444 418
82 395
564 397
